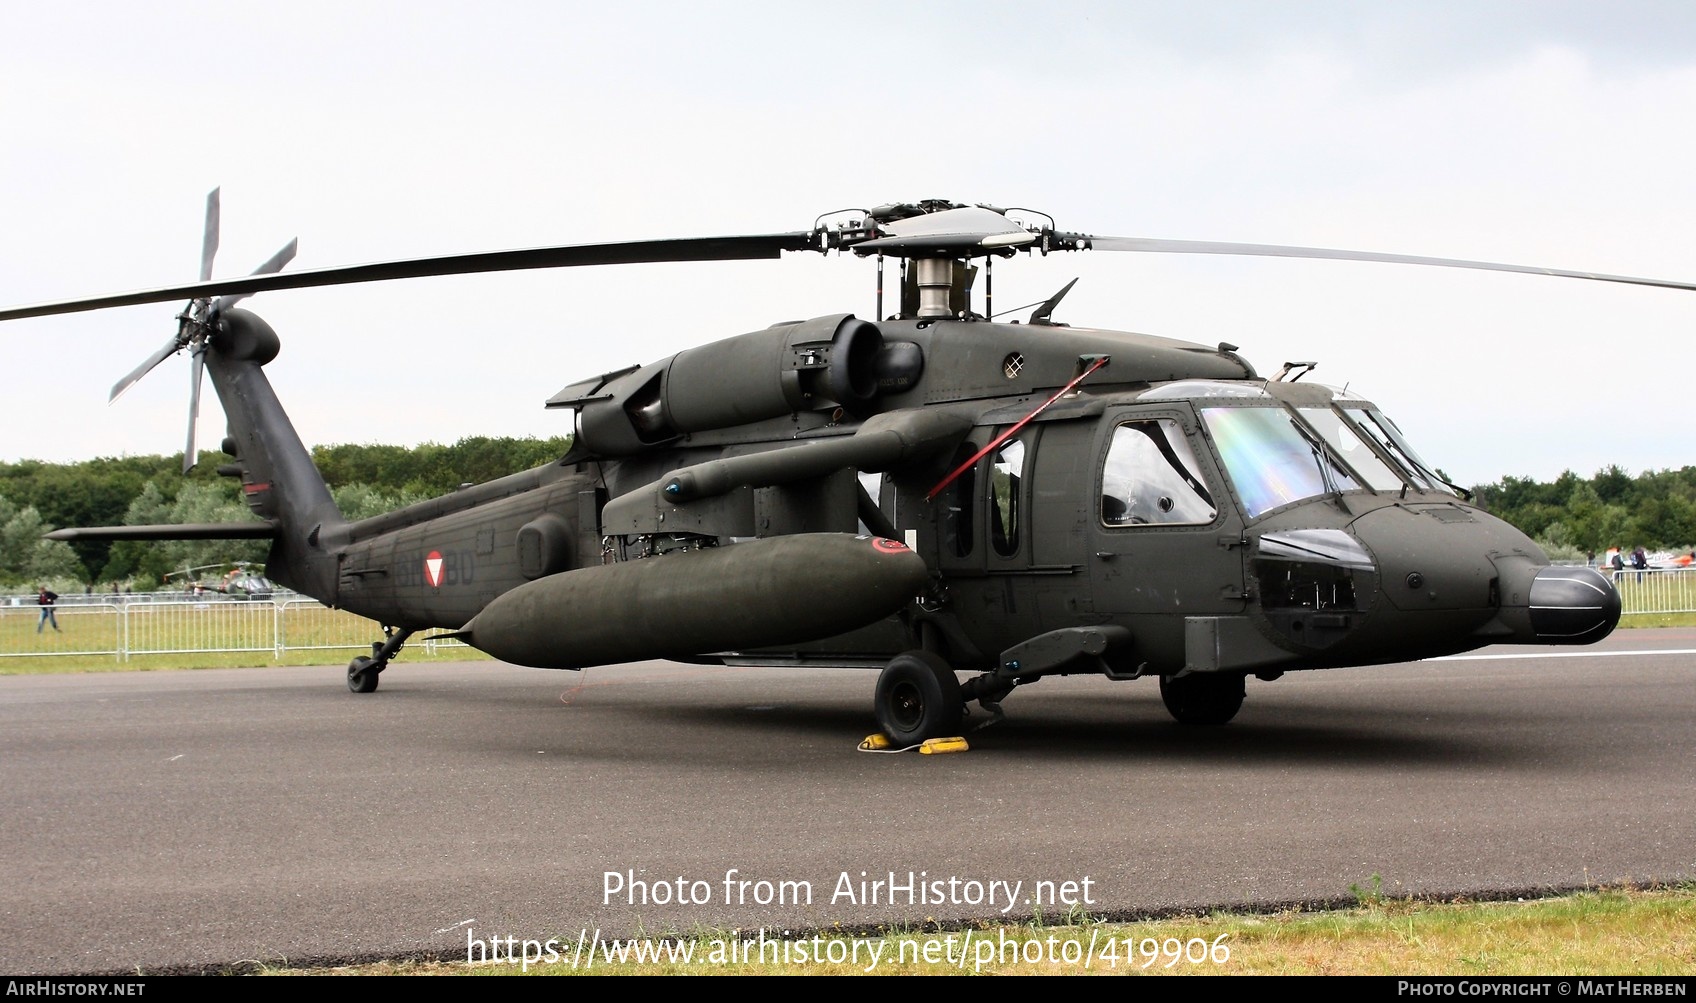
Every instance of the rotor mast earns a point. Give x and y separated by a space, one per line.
936 285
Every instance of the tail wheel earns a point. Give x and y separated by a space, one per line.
1203 698
361 677
918 697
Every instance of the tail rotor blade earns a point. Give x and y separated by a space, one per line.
146 367
275 262
190 455
272 264
209 245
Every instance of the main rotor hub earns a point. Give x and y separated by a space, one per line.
938 239
933 229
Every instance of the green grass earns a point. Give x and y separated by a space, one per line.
1658 620
1605 932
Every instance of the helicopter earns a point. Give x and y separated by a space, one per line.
932 493
240 579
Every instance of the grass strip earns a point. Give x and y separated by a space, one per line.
1619 931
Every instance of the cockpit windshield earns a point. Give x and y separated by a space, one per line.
1349 447
1271 458
1384 432
1275 458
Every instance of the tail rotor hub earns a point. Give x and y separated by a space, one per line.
196 324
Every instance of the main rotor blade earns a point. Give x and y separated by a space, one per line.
272 265
191 456
1160 245
138 372
741 248
209 243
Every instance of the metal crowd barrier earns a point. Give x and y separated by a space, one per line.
134 625
1656 590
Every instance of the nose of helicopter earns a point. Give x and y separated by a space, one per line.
1453 557
1425 579
1571 606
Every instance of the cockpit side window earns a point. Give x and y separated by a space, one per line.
1151 478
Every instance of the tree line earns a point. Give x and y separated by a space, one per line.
366 480
1577 517
1570 517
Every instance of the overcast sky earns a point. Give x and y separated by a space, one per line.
1542 133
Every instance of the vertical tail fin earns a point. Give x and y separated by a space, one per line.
279 481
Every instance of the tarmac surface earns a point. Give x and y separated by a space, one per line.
196 820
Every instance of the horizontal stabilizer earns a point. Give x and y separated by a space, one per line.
185 531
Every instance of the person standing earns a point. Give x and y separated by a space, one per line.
46 600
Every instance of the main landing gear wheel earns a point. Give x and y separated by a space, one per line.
918 697
1204 698
361 677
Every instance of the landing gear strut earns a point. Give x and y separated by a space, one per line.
918 697
1203 698
363 671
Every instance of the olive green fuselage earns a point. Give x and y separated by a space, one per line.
1033 537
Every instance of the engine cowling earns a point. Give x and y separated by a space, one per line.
825 362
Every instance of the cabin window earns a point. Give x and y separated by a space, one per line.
957 518
1005 475
1151 478
871 486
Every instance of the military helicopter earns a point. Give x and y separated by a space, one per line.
933 493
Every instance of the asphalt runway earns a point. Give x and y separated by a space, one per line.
195 820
